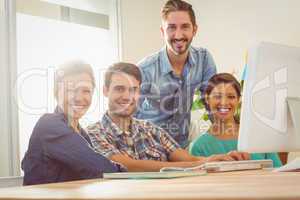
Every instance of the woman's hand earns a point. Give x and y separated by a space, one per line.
219 157
236 155
230 156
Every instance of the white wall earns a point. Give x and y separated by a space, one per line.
140 21
229 27
226 28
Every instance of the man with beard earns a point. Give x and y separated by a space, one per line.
138 144
171 76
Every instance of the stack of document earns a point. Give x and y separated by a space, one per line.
293 166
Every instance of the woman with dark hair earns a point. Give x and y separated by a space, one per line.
59 149
222 98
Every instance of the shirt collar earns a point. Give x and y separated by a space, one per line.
165 62
191 57
108 123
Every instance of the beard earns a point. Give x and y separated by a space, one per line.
177 48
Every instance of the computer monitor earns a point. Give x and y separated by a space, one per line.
270 113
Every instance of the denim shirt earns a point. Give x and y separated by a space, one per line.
56 153
166 98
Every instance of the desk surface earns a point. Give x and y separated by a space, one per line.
231 185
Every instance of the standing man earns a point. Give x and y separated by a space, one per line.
170 76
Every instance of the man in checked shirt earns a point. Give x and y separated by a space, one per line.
138 144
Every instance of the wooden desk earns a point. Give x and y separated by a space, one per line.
234 185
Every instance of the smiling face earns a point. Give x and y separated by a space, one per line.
223 102
123 94
75 95
178 32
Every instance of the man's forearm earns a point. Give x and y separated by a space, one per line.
149 165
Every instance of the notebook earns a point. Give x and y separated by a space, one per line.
153 175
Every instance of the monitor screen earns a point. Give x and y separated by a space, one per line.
269 123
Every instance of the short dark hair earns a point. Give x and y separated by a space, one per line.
122 67
70 68
178 5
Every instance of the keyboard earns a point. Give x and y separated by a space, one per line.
225 166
